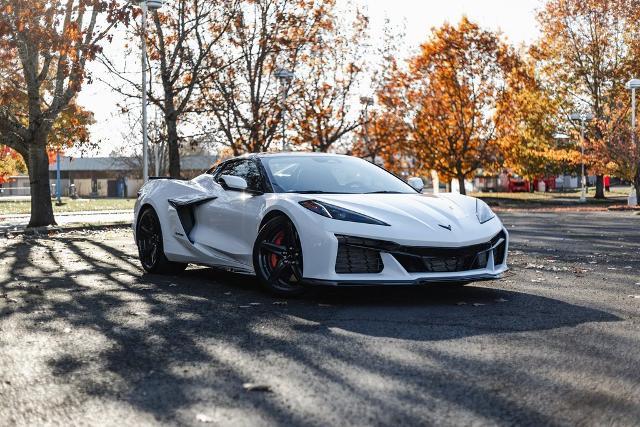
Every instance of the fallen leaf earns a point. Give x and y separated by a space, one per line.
533 266
204 418
256 387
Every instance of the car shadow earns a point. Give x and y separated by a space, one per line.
428 312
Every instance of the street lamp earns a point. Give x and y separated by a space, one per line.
633 84
144 5
284 78
560 136
582 117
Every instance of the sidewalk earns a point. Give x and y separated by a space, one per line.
18 222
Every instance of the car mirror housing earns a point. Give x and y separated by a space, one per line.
234 182
416 183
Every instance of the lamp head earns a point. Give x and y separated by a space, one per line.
633 84
284 74
366 100
585 117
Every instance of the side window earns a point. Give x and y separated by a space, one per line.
224 169
246 169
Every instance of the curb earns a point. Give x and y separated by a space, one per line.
87 213
45 231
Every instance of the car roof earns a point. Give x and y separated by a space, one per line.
295 154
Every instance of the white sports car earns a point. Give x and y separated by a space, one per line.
300 219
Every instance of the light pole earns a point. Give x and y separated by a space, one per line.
367 102
561 136
144 5
582 117
633 84
284 78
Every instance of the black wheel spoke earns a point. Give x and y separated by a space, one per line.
145 228
277 272
275 249
296 272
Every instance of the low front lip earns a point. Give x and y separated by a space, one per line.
413 282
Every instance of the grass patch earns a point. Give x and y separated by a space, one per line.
12 207
615 196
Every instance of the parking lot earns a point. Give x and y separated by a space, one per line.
86 338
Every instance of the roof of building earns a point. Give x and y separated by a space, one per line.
190 163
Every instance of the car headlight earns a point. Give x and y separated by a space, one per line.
336 212
483 212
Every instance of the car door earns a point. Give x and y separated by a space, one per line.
230 223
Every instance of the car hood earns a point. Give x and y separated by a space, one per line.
416 218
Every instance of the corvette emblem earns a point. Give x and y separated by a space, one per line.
448 227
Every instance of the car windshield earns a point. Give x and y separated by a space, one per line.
330 174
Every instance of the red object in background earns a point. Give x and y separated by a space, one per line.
549 183
6 152
518 185
607 182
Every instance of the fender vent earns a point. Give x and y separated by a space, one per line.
184 208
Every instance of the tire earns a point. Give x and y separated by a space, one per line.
150 248
277 258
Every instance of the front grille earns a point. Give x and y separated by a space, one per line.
353 259
435 264
358 255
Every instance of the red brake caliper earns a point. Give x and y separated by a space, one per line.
277 240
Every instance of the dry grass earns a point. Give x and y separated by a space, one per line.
12 207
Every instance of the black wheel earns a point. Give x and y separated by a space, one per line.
149 241
277 257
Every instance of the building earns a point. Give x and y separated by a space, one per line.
102 176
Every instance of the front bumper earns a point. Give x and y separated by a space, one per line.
396 264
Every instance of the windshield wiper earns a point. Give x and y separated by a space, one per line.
314 192
385 192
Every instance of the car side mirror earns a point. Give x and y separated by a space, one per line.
416 183
234 182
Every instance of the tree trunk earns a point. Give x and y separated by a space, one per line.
599 187
174 148
461 184
41 209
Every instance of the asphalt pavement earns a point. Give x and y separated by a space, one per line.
87 339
